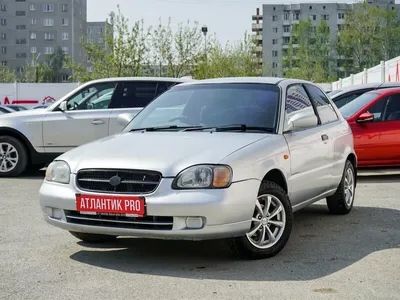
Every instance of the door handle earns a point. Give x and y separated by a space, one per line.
98 122
324 137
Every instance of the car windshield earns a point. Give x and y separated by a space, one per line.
253 107
357 104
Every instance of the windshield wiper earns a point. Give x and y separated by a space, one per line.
233 127
163 128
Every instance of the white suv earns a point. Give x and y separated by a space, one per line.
33 138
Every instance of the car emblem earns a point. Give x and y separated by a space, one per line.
115 180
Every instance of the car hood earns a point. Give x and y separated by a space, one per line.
166 152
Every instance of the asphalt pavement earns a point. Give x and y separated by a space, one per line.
328 257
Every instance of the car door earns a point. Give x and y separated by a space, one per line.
310 150
332 127
81 122
378 142
131 97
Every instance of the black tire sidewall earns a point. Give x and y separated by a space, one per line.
22 155
244 245
347 166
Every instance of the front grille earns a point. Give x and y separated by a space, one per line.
132 181
119 221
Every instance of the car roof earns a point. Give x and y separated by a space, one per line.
356 88
166 79
266 80
373 85
386 91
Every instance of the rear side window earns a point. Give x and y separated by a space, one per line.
133 94
324 108
164 86
137 94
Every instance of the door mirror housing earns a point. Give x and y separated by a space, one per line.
301 120
365 117
63 106
125 119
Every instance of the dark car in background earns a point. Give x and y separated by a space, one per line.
346 95
15 107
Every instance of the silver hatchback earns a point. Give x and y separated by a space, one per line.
223 158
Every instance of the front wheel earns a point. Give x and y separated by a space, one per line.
13 157
271 225
93 238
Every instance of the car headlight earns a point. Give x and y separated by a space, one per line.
204 177
58 171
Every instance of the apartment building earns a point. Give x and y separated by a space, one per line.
274 37
96 32
35 29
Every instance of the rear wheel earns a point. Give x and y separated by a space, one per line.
13 157
342 201
270 227
93 238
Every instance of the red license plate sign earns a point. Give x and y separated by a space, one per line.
134 206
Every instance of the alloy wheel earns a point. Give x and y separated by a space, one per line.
349 187
268 222
8 157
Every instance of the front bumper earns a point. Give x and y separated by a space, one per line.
225 212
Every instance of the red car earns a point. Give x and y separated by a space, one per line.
374 118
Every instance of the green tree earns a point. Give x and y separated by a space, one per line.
311 58
370 35
233 60
124 54
7 75
173 54
50 70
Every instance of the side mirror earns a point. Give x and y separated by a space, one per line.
124 119
63 106
365 117
301 121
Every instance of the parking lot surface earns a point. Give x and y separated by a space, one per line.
327 257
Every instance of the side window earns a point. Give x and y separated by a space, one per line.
378 109
134 94
162 86
324 108
297 99
85 98
298 102
392 112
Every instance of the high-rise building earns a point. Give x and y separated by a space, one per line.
96 32
31 30
273 27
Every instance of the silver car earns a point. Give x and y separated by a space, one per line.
223 158
33 138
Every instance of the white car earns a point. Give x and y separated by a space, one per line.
35 137
225 158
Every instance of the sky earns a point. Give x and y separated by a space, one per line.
228 19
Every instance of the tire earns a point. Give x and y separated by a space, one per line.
93 238
339 203
244 246
19 155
